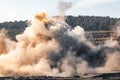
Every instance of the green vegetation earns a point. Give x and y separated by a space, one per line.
92 22
14 28
87 22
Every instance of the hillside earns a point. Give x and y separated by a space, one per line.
87 22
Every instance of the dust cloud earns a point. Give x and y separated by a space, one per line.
50 47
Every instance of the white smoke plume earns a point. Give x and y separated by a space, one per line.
50 47
63 7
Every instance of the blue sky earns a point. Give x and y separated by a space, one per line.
11 10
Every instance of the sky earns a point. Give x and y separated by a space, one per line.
11 10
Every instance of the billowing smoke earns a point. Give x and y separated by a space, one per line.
50 47
63 7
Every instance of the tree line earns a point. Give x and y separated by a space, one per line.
87 22
92 22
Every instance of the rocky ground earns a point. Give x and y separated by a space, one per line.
102 76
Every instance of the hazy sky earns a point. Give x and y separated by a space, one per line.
11 10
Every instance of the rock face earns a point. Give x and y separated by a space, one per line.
101 76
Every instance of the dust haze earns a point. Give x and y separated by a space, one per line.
50 47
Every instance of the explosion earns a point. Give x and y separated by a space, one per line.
50 47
